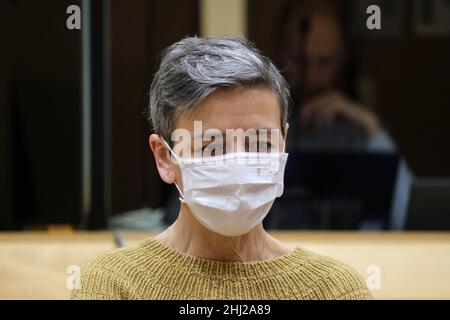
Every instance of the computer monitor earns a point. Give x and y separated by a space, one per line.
429 205
336 191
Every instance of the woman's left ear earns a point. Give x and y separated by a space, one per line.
163 159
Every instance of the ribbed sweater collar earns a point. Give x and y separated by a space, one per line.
218 270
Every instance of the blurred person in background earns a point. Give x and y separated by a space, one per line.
313 54
326 115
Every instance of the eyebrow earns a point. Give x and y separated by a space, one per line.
257 131
256 134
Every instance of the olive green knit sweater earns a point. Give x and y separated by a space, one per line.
152 270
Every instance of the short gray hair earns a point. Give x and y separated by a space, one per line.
195 67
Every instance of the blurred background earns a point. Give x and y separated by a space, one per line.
73 134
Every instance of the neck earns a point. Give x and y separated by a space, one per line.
189 236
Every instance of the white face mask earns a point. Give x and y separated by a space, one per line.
232 193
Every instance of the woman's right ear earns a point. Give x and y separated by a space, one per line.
163 160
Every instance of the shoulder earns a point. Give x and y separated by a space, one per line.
110 275
329 278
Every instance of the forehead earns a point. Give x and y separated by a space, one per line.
246 108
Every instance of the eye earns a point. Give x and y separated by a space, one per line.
264 146
212 149
252 146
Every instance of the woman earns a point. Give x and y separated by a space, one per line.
219 112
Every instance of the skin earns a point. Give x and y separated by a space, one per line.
324 52
255 107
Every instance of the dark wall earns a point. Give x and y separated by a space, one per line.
411 75
140 31
5 128
41 80
40 106
412 78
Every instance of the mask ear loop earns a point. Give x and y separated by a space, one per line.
178 162
275 163
284 145
171 151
